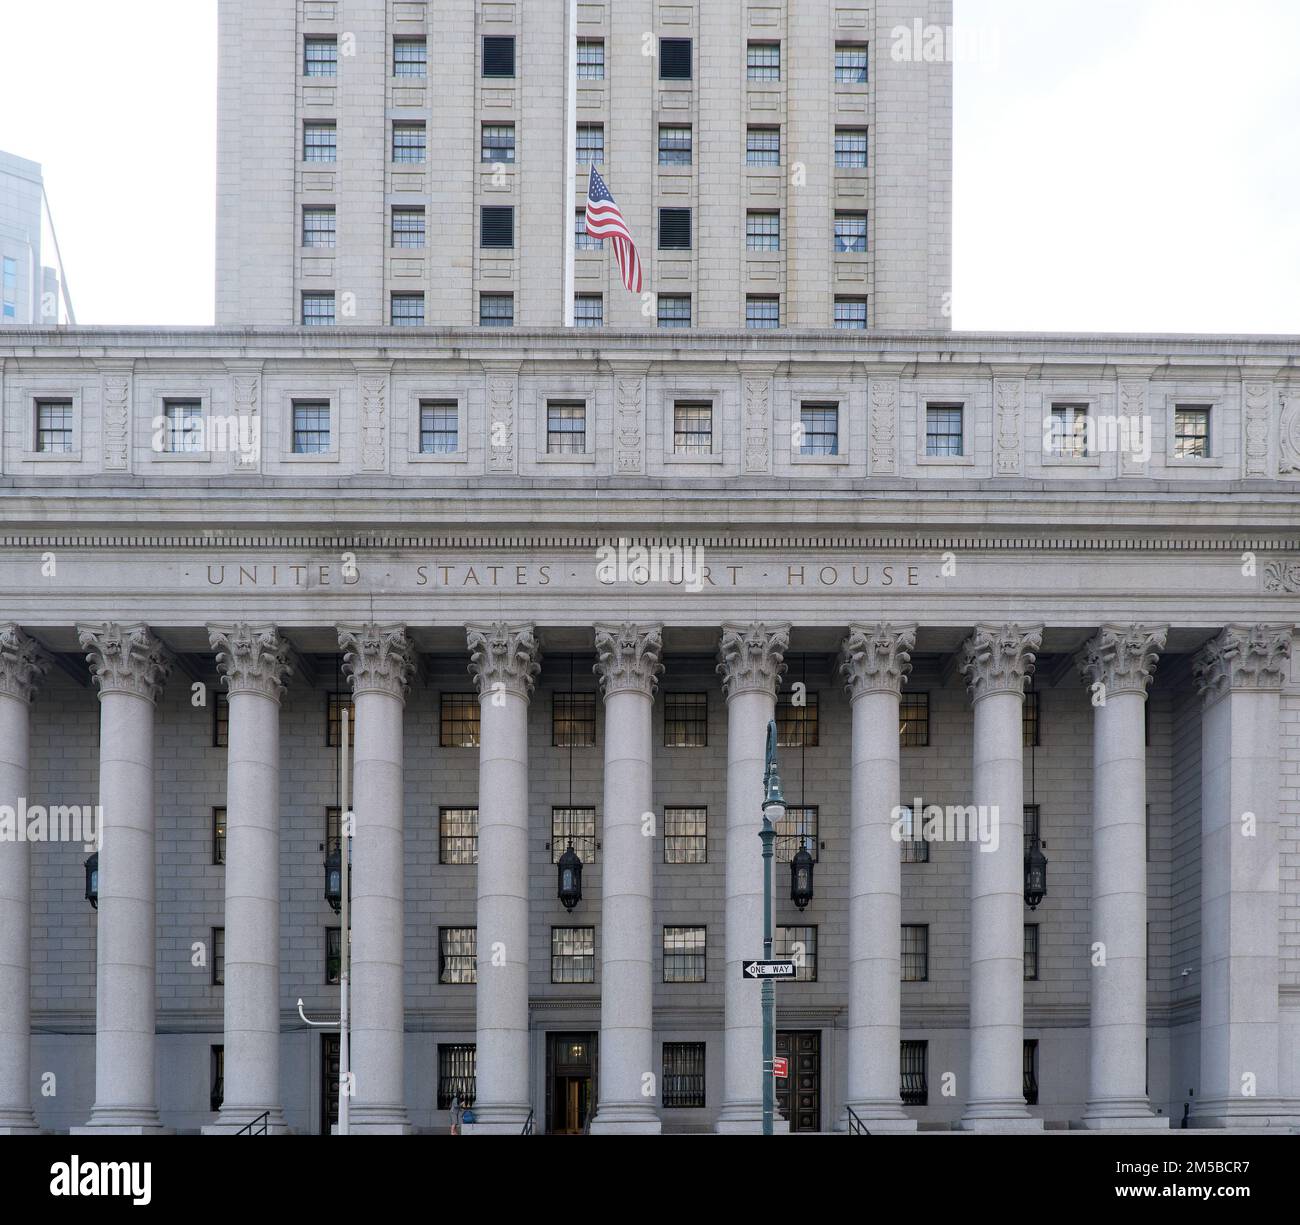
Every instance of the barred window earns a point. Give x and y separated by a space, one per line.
54 426
686 835
311 427
333 955
762 230
693 427
850 63
317 309
218 956
591 144
1031 1071
675 144
683 1076
1191 431
850 148
674 230
496 310
219 835
498 143
318 227
408 225
820 428
319 141
588 310
459 721
408 141
1031 721
1032 818
582 240
915 953
850 233
407 310
497 227
320 57
184 430
573 954
686 720
566 428
410 57
914 720
800 945
943 429
797 828
217 1093
914 847
763 146
221 721
458 835
684 954
1069 431
336 705
914 1089
851 314
458 956
499 55
674 310
763 61
576 827
439 430
674 59
762 311
1031 952
591 59
796 726
457 1074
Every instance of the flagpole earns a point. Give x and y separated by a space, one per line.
569 195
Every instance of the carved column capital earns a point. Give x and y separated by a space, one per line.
125 659
1123 658
377 658
1243 657
998 659
751 658
503 657
877 658
628 658
251 658
22 663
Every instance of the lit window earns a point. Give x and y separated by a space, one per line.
458 956
573 954
914 720
686 835
219 836
686 720
459 721
458 835
573 720
943 429
337 707
684 954
796 725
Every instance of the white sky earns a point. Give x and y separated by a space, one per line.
1121 165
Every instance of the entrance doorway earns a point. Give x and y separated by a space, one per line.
799 1095
570 1083
329 1082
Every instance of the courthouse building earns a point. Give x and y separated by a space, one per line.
1004 595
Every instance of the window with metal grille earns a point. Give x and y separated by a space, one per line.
218 956
913 1087
457 1074
591 144
674 229
458 956
407 310
943 429
798 828
408 225
1069 430
914 720
498 143
588 310
762 231
1031 1071
333 955
683 1076
1191 432
692 427
851 314
684 954
574 827
582 240
591 59
497 228
496 310
800 945
219 835
820 429
573 954
319 141
675 143
1031 720
499 55
686 720
458 723
763 146
317 309
762 311
912 844
184 430
410 57
796 726
54 426
311 427
320 57
674 310
566 432
1031 952
318 227
915 953
221 721
217 1093
333 823
458 835
1032 819
674 59
763 61
336 705
850 233
850 63
439 428
408 141
686 835
850 148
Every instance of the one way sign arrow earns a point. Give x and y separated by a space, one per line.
767 969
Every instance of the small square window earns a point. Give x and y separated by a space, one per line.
763 146
591 144
218 956
850 148
762 311
914 1089
850 63
496 310
458 956
1191 431
573 720
591 59
566 430
54 426
762 231
319 141
318 227
674 59
798 828
219 836
497 229
573 954
317 309
311 427
850 233
693 427
943 429
819 426
320 57
408 141
588 310
763 62
800 945
675 144
1031 952
686 720
674 310
914 720
408 225
440 431
686 835
851 314
459 721
674 229
499 55
574 827
458 835
796 725
410 57
407 310
337 707
498 144
683 1084
915 953
685 958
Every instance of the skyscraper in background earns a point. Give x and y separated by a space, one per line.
29 292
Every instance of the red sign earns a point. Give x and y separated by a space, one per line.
780 1066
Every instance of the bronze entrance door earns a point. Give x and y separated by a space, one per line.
570 1083
799 1095
329 1082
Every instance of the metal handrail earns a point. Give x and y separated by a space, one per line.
258 1126
856 1126
528 1125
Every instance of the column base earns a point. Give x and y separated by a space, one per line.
879 1118
379 1121
999 1117
507 1120
231 1121
1253 1113
746 1119
20 1122
626 1119
122 1121
1123 1114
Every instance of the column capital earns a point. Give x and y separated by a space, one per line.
22 662
251 658
998 658
877 658
1243 657
503 656
627 658
751 657
377 658
125 658
1123 658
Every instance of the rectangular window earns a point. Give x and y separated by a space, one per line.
674 59
218 956
591 144
686 720
796 726
798 828
408 225
943 429
219 836
408 141
693 427
588 310
573 720
850 148
1031 721
496 310
591 59
498 144
686 835
763 62
800 945
320 56
439 430
674 229
574 827
319 141
913 846
684 954
582 240
1031 818
674 310
458 956
339 706
850 63
762 231
333 819
457 1074
217 1093
410 57
1069 430
221 721
762 311
566 428
1031 1072
915 953
851 314
820 426
407 310
1031 952
573 954
311 427
1191 432
913 1088
850 233
497 229
184 430
458 835
683 1076
54 426
763 146
317 309
499 55
333 956
318 227
914 720
675 144
459 721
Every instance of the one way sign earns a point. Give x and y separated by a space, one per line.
767 969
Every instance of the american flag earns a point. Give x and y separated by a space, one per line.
604 220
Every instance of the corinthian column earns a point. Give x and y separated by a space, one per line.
253 661
378 660
875 662
22 664
751 661
1117 666
996 662
1240 674
628 666
504 661
130 667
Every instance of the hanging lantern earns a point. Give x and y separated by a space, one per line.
801 877
570 871
1035 876
92 881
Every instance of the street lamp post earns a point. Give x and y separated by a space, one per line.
773 812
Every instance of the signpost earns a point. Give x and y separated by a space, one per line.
767 969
